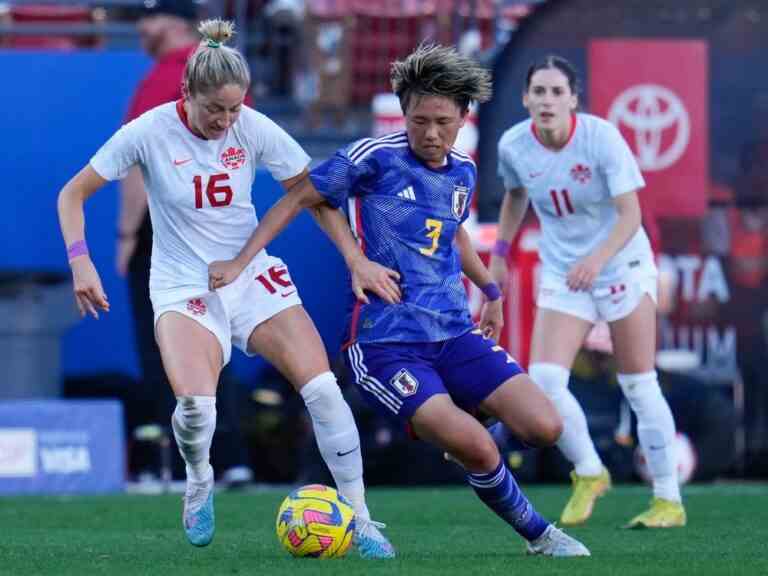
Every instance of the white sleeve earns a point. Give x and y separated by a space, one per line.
506 168
277 150
622 173
120 152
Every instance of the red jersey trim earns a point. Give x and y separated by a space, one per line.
358 305
185 119
574 120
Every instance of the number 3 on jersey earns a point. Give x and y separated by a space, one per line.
218 194
435 228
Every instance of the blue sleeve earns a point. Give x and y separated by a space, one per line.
470 195
339 177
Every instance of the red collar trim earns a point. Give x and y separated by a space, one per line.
184 119
574 120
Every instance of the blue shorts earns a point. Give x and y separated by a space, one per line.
395 378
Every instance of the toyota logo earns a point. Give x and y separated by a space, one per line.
648 110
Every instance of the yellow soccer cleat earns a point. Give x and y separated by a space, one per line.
661 514
586 489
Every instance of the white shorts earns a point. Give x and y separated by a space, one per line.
231 313
608 301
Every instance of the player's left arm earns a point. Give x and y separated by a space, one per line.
583 274
492 316
623 179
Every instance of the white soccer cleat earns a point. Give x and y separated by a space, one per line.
370 542
555 542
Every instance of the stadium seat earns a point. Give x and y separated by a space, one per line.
60 16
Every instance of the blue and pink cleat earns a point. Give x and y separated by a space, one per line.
370 542
199 520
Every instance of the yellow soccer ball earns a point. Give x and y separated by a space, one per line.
314 521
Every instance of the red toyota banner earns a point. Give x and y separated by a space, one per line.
656 91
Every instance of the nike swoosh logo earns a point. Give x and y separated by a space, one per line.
180 162
535 174
347 452
289 294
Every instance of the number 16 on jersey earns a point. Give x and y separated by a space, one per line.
218 194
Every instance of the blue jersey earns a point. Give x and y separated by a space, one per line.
405 216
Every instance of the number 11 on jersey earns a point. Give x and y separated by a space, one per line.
562 202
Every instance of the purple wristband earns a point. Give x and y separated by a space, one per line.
491 291
78 248
500 248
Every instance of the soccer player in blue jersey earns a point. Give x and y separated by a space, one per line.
412 346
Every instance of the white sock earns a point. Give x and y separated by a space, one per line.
655 430
337 437
194 422
575 443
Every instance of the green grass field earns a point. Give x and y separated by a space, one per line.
436 531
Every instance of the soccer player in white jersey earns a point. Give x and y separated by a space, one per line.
198 157
597 264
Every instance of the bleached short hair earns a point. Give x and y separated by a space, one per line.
437 70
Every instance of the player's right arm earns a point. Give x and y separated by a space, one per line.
89 292
513 207
335 180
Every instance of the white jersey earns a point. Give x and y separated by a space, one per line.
572 191
199 190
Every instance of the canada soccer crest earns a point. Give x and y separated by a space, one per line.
460 196
233 157
405 383
581 173
197 306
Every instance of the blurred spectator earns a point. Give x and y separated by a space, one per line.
328 75
285 21
167 32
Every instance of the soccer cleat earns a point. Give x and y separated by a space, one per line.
370 542
586 489
661 514
198 519
555 542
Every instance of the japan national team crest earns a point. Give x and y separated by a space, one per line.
460 196
233 157
197 306
405 383
581 173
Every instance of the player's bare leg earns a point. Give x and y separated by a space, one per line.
526 411
192 359
634 344
291 343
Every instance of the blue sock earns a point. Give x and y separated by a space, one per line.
505 440
501 494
